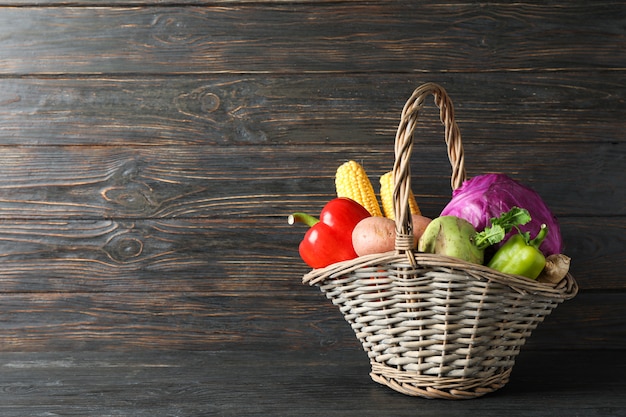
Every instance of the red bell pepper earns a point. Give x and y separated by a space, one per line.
329 239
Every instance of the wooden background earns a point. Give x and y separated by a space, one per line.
150 153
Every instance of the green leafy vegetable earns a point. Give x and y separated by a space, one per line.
501 226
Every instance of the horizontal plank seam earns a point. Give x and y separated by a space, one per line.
115 75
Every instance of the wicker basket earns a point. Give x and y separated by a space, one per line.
435 326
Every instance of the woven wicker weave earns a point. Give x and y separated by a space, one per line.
435 326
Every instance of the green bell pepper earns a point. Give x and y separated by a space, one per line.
520 255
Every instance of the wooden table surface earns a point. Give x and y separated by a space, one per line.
150 152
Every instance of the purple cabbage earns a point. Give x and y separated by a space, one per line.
486 196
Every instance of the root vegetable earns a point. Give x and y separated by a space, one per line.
378 234
451 236
420 223
374 235
557 266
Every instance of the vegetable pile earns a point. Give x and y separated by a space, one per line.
491 219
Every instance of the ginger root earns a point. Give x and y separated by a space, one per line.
557 266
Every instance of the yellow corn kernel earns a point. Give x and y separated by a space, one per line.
386 197
351 181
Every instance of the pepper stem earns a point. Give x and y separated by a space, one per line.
536 242
302 218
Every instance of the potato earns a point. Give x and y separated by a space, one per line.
374 234
420 223
378 234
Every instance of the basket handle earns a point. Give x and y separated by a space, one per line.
403 149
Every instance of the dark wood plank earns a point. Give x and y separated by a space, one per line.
566 108
373 37
211 182
288 383
216 254
240 314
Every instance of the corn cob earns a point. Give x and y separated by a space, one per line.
386 197
352 181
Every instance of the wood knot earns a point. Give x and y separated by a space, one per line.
227 107
123 248
198 103
176 28
133 197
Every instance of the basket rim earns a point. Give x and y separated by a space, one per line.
566 289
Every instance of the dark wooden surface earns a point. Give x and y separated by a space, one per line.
150 152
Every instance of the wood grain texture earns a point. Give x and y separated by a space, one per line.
405 36
338 110
166 383
197 181
243 315
198 254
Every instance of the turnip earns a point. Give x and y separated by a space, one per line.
451 236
